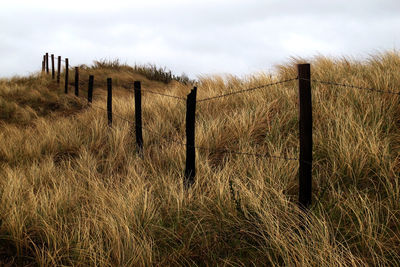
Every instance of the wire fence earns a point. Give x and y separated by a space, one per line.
225 150
354 86
229 150
166 95
305 82
247 90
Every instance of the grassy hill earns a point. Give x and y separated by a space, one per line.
75 192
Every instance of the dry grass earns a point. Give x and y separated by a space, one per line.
74 192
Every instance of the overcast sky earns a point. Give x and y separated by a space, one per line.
195 37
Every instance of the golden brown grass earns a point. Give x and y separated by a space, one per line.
74 192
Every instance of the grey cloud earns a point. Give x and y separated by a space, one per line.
200 37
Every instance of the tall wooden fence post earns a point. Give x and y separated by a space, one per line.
109 101
77 81
190 170
47 63
306 142
52 67
90 89
66 76
138 116
58 69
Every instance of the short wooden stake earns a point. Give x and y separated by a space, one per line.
306 142
109 101
190 170
138 116
66 76
52 67
58 69
77 81
90 88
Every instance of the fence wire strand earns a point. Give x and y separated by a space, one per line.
161 94
155 93
354 86
229 151
224 150
247 90
100 108
114 114
170 140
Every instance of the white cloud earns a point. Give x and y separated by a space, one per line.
306 45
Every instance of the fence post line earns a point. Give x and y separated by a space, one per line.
77 81
190 170
138 116
109 101
90 88
66 76
58 69
52 67
306 142
47 63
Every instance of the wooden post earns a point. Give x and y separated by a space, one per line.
90 88
44 63
190 170
52 67
47 63
306 142
138 116
77 81
109 101
58 69
66 76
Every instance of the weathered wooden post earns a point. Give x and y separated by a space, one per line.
47 63
77 81
306 142
109 101
138 115
66 76
190 170
44 64
52 67
58 69
90 88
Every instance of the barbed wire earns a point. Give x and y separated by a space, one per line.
166 95
114 114
223 150
154 93
247 90
170 140
98 107
353 86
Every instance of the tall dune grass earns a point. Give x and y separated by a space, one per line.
75 192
